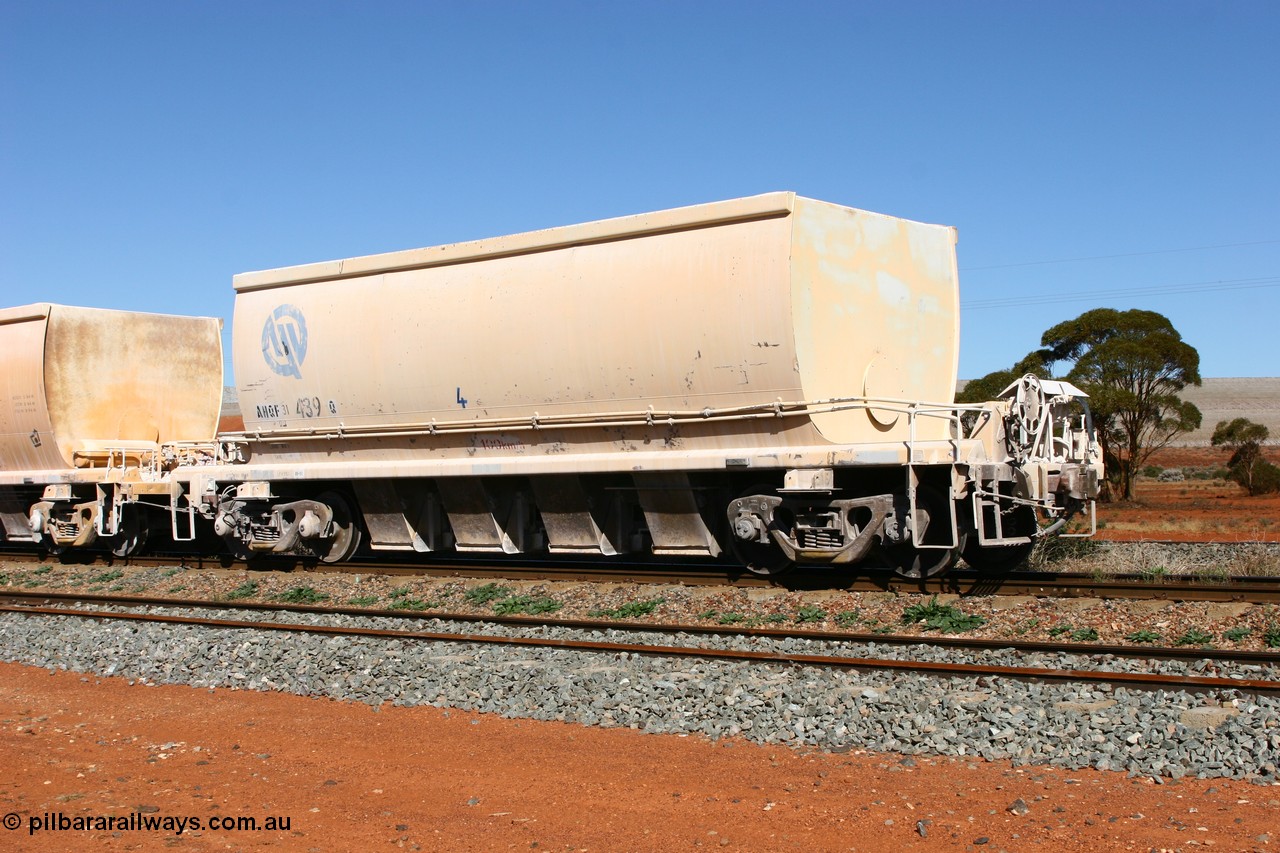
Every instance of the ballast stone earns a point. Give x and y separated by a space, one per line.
913 712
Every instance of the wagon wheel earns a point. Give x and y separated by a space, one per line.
134 529
907 560
764 560
346 530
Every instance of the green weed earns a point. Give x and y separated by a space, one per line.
363 600
1194 637
1235 635
406 603
1142 636
248 589
941 617
534 606
484 594
847 618
808 613
1084 635
302 595
630 610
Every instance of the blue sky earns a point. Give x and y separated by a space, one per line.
1111 152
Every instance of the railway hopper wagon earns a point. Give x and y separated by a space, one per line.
769 378
97 408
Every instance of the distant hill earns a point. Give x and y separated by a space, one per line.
1257 399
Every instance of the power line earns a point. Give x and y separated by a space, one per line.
1162 290
1122 255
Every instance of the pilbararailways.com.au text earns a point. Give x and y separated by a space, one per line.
140 822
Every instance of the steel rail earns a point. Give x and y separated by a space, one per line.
18 602
1149 680
958 582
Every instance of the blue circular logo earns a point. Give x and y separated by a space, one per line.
284 341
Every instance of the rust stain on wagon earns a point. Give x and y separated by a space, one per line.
93 379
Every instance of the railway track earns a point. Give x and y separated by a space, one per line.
964 582
46 604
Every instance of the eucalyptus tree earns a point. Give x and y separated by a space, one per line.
1133 365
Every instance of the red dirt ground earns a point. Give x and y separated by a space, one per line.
1193 510
349 777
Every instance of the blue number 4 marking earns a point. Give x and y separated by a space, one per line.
462 401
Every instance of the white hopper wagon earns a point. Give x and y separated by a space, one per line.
771 377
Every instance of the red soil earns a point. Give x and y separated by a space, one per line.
349 777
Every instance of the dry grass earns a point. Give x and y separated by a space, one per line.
1156 560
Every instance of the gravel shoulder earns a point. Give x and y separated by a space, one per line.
352 776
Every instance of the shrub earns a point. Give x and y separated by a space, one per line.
1266 478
